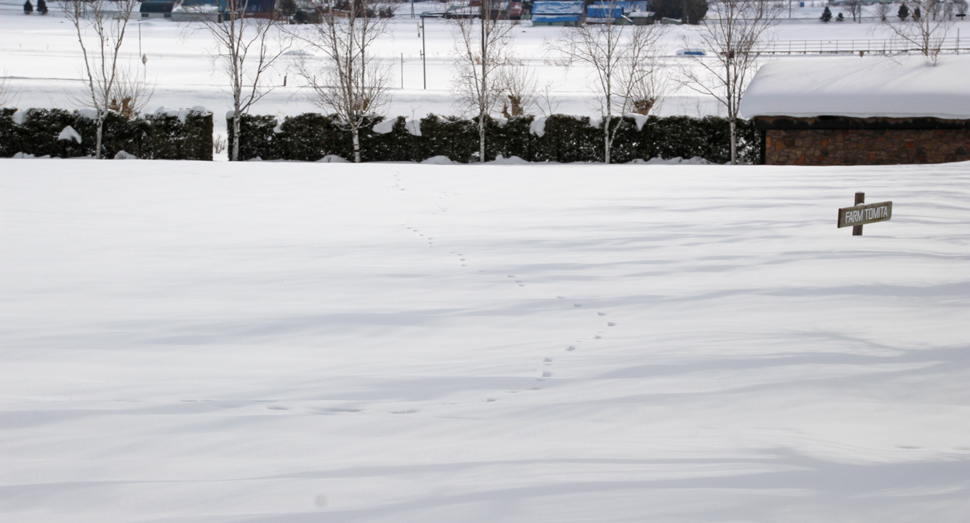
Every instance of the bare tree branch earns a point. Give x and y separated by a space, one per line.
100 26
7 94
737 37
481 50
352 82
624 60
519 89
130 94
248 47
927 32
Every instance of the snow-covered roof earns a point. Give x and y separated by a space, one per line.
558 8
629 5
897 87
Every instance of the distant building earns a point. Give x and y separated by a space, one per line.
156 9
256 8
558 13
862 111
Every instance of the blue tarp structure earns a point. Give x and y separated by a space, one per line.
631 6
557 12
252 6
604 11
569 7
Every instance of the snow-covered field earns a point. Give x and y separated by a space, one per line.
410 343
285 342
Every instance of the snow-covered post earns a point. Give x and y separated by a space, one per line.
860 198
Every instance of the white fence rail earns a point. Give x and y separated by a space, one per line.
871 46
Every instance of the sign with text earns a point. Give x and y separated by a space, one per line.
863 214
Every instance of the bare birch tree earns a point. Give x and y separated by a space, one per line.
855 9
481 47
100 26
248 47
736 36
882 9
352 82
623 59
925 33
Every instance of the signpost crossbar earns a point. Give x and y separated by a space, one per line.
862 214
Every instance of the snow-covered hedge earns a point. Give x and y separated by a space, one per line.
169 135
558 138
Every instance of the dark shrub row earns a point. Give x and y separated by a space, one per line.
153 136
309 137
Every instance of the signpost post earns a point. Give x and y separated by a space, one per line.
861 214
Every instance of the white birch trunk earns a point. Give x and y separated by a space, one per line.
606 139
356 136
236 126
734 144
99 134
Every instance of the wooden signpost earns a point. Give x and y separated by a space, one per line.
860 214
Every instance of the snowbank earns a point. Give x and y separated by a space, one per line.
68 133
899 87
385 126
511 160
438 160
677 160
412 126
181 114
332 158
538 127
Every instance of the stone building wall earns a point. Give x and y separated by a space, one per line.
865 147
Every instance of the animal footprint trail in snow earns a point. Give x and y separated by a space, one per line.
461 258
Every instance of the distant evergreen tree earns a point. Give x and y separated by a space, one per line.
287 8
28 7
826 15
903 12
917 13
840 18
42 7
